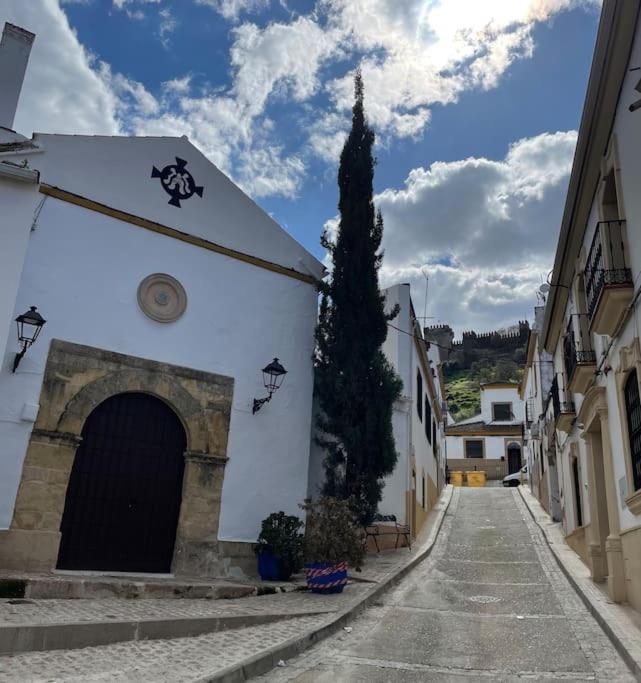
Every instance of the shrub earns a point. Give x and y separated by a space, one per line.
333 532
280 535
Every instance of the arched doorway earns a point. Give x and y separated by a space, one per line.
513 458
124 494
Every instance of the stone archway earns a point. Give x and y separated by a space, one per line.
125 488
77 379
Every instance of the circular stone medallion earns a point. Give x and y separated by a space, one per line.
162 298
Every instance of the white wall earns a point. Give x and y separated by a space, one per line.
409 429
490 395
495 446
82 270
17 201
116 171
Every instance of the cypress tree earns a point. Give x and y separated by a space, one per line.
355 385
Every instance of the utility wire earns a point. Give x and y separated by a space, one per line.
425 341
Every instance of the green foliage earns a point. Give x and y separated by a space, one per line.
333 532
355 385
281 535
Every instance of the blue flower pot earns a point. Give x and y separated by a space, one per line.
270 568
326 577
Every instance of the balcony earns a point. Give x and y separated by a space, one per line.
608 280
564 411
578 356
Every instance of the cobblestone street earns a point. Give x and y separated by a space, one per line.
189 658
490 602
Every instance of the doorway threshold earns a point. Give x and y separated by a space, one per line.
62 584
109 573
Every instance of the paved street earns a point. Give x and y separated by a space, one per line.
489 602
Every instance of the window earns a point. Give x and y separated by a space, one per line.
419 395
633 414
428 419
502 412
474 448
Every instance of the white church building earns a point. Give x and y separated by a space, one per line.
129 435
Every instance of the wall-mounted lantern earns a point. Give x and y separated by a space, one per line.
29 326
273 376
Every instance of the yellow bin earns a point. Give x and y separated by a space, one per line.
475 478
456 478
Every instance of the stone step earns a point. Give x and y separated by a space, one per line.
72 636
54 586
208 657
31 625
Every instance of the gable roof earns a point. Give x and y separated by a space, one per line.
117 172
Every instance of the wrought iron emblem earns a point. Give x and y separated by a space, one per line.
177 182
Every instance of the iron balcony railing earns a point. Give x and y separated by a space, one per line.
559 407
606 264
577 350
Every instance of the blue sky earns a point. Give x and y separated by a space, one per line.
476 107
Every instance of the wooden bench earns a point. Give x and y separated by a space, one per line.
382 526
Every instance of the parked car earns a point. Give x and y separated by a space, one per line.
516 478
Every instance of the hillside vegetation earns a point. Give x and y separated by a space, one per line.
466 370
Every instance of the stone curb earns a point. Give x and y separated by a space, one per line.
73 635
610 629
267 660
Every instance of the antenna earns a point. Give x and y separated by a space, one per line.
427 284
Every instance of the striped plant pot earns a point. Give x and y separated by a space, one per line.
326 577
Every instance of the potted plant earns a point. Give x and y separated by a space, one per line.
280 547
332 540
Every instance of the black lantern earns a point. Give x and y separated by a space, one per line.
29 326
273 376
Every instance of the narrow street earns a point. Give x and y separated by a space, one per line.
490 601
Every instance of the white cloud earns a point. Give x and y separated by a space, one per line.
419 53
282 59
167 26
414 55
232 9
265 171
120 4
67 90
485 229
178 85
63 92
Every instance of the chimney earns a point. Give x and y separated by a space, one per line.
15 48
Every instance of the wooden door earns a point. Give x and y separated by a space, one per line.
125 488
